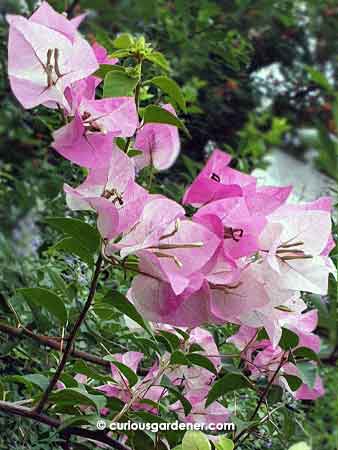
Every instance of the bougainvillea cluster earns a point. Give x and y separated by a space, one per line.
243 256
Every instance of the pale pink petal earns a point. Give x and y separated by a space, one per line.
160 144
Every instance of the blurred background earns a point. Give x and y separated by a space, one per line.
260 81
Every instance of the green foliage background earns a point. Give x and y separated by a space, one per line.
215 49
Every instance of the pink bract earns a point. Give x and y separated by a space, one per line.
159 143
46 55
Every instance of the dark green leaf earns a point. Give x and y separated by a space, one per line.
201 361
78 396
134 152
125 370
47 299
73 246
179 358
165 382
228 383
83 368
288 340
35 379
293 381
319 78
59 283
121 303
305 353
81 231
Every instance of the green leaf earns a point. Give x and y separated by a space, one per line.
172 338
119 84
179 358
159 59
305 353
83 368
171 88
47 299
121 53
148 417
87 236
293 382
121 143
300 446
71 245
165 382
125 370
121 303
134 152
288 340
85 419
78 396
35 379
38 380
319 78
275 394
156 114
106 68
224 443
230 382
202 361
195 440
123 40
308 372
58 283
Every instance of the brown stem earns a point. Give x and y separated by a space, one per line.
51 342
266 390
71 337
99 436
262 398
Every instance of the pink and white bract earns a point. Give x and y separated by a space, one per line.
46 54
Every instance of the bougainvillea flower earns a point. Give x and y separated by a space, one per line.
87 149
159 143
158 213
47 16
241 229
261 358
86 88
157 302
102 57
182 254
112 192
229 302
87 139
216 181
122 390
46 55
275 314
212 414
178 255
264 200
195 378
307 393
292 245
